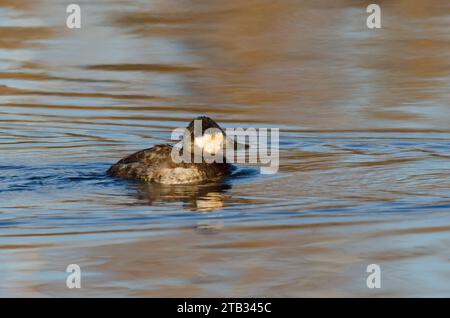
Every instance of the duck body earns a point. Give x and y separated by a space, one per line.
155 165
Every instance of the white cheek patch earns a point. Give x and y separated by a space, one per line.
210 143
200 142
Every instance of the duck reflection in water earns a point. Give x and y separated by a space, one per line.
205 197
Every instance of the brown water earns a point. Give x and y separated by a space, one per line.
365 148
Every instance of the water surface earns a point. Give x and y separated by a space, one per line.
365 148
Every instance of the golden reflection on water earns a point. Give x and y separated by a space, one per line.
364 165
201 198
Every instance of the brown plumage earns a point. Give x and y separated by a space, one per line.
156 165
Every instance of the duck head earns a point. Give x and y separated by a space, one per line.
207 137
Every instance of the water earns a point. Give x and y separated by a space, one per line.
365 140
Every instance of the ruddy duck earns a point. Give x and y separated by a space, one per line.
156 164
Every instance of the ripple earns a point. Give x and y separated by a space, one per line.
364 149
